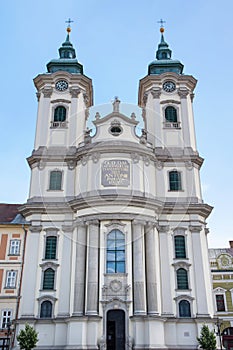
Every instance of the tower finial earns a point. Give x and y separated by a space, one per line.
161 22
68 29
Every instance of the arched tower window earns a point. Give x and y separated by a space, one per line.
184 308
180 250
171 114
46 309
55 180
115 252
59 114
182 279
175 181
48 280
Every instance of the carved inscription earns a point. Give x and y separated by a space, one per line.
115 173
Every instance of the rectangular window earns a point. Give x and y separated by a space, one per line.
180 252
55 180
14 247
115 252
182 279
51 247
220 302
175 181
11 279
6 318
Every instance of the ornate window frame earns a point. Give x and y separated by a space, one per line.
188 298
180 231
48 265
180 181
220 291
115 225
54 232
59 124
49 179
168 124
41 300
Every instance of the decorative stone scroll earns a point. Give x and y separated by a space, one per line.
47 92
115 173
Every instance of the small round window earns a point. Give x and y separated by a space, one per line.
115 130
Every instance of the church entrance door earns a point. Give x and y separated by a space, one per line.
115 330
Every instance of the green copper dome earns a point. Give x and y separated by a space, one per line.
67 59
163 62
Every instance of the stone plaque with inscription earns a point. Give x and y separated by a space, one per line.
115 173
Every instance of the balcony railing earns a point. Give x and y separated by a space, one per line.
59 124
172 125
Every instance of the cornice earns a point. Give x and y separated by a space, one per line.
104 198
76 81
146 83
135 151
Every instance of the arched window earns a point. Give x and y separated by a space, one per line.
180 251
175 181
182 279
115 252
171 114
46 309
55 180
184 308
60 114
48 280
51 247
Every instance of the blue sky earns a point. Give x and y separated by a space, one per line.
115 41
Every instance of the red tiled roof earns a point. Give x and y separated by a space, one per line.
8 212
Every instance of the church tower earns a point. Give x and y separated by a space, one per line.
116 255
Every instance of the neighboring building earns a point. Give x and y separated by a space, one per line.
221 263
12 241
117 254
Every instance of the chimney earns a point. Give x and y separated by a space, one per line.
231 244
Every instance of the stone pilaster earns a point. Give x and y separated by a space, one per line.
64 287
151 278
185 125
138 268
167 300
199 271
27 304
92 268
80 266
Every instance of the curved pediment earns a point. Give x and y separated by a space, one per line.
132 120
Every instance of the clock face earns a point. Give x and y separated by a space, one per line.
169 86
61 85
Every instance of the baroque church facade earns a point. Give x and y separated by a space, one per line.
116 255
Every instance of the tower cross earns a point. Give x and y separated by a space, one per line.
69 21
161 22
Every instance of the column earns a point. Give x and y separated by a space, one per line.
199 271
92 268
166 294
80 265
151 279
138 268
